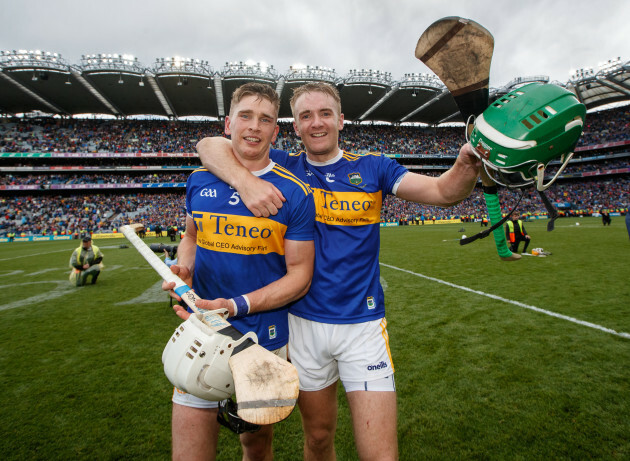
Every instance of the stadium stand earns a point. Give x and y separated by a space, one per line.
67 176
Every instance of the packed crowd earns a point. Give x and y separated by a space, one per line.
590 167
73 214
105 212
74 135
585 197
77 214
607 126
86 178
12 179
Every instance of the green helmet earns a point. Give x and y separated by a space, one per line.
521 132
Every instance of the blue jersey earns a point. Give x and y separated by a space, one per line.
238 253
348 192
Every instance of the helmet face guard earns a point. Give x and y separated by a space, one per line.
228 416
519 134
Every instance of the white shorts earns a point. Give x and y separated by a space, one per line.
357 353
188 400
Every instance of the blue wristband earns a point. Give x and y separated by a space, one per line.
241 306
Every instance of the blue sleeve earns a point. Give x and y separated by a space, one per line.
302 219
390 173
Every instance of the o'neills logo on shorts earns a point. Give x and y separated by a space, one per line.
377 367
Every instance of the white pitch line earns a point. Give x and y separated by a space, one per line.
37 254
516 303
67 250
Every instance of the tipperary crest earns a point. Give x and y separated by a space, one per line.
355 178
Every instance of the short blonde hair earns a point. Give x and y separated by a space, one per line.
261 90
313 87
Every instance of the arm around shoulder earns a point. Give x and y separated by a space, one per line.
260 197
216 156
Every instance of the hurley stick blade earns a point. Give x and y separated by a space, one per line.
267 385
258 400
459 52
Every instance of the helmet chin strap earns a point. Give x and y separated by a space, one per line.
541 188
485 233
540 172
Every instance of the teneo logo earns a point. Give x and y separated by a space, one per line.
355 178
219 225
377 367
357 202
206 192
370 302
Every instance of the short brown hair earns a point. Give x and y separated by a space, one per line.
321 87
261 90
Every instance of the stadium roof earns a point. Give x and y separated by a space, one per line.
175 87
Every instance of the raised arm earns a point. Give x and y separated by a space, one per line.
259 196
446 190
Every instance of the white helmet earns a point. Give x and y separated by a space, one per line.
196 360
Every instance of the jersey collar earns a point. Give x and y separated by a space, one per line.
335 159
267 169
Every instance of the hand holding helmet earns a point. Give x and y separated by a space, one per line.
520 133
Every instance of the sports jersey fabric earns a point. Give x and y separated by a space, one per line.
238 253
348 192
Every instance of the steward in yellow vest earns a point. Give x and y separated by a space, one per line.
86 263
515 232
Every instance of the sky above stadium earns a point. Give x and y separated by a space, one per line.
535 37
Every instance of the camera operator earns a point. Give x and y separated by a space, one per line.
170 257
170 252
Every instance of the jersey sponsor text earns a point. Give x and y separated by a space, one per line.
239 234
347 208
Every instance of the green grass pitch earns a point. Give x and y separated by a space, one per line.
494 360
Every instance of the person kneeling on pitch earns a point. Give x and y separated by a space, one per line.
86 263
516 233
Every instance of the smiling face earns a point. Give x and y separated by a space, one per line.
252 127
318 121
